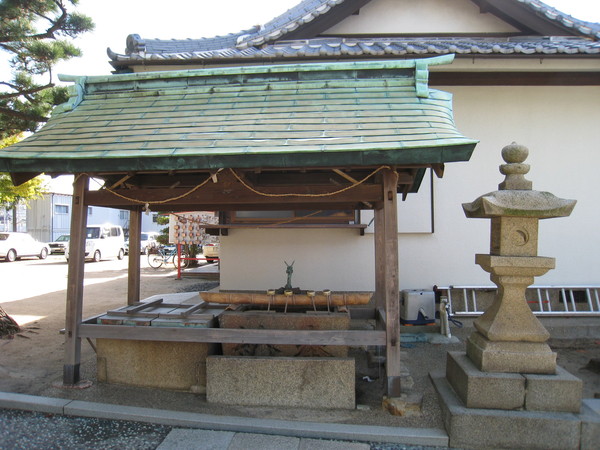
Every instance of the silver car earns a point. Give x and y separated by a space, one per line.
19 245
59 245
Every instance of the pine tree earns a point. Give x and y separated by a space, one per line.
36 35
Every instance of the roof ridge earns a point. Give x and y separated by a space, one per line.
563 19
385 47
304 12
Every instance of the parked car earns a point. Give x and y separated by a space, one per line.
103 241
211 252
148 242
19 245
58 247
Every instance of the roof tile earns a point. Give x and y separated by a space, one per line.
240 111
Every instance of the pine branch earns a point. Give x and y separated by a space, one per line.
21 115
25 92
57 24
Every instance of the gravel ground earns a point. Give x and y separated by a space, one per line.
64 432
27 430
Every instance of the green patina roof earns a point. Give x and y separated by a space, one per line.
302 115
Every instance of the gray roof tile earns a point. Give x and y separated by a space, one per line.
267 42
339 47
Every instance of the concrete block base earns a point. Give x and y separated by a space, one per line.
511 357
479 428
163 365
560 392
590 425
478 389
281 381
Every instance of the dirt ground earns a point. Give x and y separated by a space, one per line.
34 292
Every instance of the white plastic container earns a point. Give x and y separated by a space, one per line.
417 307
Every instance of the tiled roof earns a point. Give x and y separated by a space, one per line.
303 115
268 41
384 47
554 15
305 12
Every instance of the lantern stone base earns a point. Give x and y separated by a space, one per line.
510 357
485 428
560 392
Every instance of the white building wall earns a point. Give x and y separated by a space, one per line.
560 127
420 17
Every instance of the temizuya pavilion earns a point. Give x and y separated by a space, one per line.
326 136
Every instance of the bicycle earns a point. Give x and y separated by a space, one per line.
165 255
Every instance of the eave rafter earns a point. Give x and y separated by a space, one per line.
249 189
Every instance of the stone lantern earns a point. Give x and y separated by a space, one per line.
506 391
509 338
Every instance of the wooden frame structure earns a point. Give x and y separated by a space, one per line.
341 136
381 194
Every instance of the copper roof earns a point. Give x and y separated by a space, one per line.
302 115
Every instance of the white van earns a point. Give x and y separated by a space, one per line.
103 241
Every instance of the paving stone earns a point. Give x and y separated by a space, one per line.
321 444
249 441
180 438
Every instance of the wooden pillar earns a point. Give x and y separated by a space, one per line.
133 271
379 259
75 282
390 281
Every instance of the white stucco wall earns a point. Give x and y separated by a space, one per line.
560 127
420 17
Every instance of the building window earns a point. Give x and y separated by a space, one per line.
89 210
61 209
123 214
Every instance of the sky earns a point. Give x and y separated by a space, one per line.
181 19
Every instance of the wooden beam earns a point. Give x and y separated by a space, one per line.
358 226
134 264
19 178
120 181
391 288
222 195
514 78
438 169
353 180
71 375
235 335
